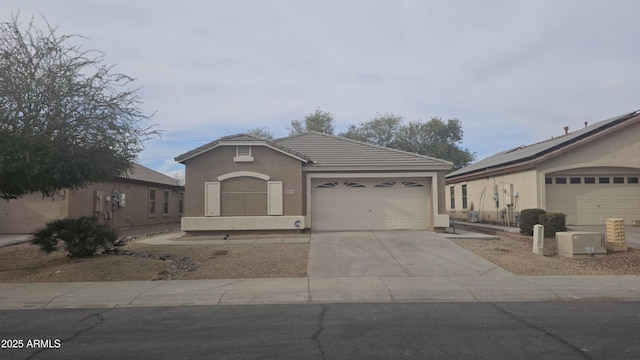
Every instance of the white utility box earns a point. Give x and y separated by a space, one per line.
581 244
538 239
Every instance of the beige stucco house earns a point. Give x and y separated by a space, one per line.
590 174
310 180
142 197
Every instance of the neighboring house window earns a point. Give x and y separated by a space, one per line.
180 203
152 202
165 202
464 196
452 191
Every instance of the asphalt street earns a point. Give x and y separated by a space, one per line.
540 330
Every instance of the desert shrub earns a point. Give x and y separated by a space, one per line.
81 236
528 218
553 223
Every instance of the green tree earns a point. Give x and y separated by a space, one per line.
318 121
381 130
435 138
66 118
261 132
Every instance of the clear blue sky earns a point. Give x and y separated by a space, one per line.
514 72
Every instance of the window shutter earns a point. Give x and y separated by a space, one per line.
274 189
212 199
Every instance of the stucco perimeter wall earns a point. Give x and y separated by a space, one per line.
136 209
242 223
620 149
219 161
480 192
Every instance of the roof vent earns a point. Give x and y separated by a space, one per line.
566 130
586 124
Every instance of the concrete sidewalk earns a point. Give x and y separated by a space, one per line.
396 267
317 290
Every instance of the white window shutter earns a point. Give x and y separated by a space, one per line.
212 199
274 194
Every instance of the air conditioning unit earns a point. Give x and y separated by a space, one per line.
473 217
581 244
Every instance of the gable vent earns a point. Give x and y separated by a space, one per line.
243 154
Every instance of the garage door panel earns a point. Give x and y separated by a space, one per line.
393 206
592 204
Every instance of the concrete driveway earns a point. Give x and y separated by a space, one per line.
399 253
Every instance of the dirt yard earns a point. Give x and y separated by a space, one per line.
26 263
514 255
138 261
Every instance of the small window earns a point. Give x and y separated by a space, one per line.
632 180
352 184
603 180
618 180
165 202
152 202
411 184
575 180
464 196
548 181
386 184
180 203
561 180
452 191
589 180
329 185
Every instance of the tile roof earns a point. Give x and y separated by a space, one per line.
529 152
334 151
237 138
141 173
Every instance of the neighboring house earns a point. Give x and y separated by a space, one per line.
590 174
142 197
310 180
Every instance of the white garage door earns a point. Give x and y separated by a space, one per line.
369 204
590 200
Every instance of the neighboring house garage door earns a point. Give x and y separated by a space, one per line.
24 215
590 200
369 204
